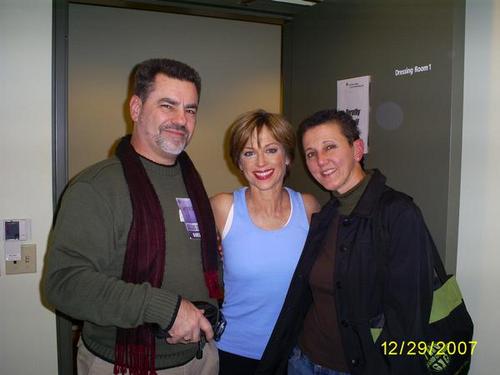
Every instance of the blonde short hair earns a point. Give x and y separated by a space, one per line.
243 127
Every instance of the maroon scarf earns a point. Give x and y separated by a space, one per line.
146 249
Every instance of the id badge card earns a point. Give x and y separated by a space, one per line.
187 216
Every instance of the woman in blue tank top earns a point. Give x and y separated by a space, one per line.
263 227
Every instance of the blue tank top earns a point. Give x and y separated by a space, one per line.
258 267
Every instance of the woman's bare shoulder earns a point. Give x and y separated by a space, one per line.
221 204
311 204
222 200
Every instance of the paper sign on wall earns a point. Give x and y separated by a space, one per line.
353 96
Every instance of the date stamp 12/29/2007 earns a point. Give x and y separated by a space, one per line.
435 348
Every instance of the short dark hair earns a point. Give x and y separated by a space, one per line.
243 127
147 70
347 124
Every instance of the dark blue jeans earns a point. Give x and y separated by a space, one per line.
300 364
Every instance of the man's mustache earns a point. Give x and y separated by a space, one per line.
176 127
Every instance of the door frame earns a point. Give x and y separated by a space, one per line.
60 175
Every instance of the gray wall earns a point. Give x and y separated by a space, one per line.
478 267
27 329
420 156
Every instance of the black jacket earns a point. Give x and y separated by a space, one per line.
392 291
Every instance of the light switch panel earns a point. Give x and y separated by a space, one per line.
27 264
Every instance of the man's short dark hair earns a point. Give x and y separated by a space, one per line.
146 72
347 124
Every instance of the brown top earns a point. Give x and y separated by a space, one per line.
320 337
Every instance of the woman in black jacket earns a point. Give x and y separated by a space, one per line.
361 295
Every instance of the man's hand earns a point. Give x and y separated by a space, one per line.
189 324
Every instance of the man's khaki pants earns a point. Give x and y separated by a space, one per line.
89 364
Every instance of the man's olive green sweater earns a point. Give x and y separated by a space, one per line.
86 255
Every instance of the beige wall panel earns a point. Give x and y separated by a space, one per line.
239 63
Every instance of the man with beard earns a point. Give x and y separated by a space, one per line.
134 241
